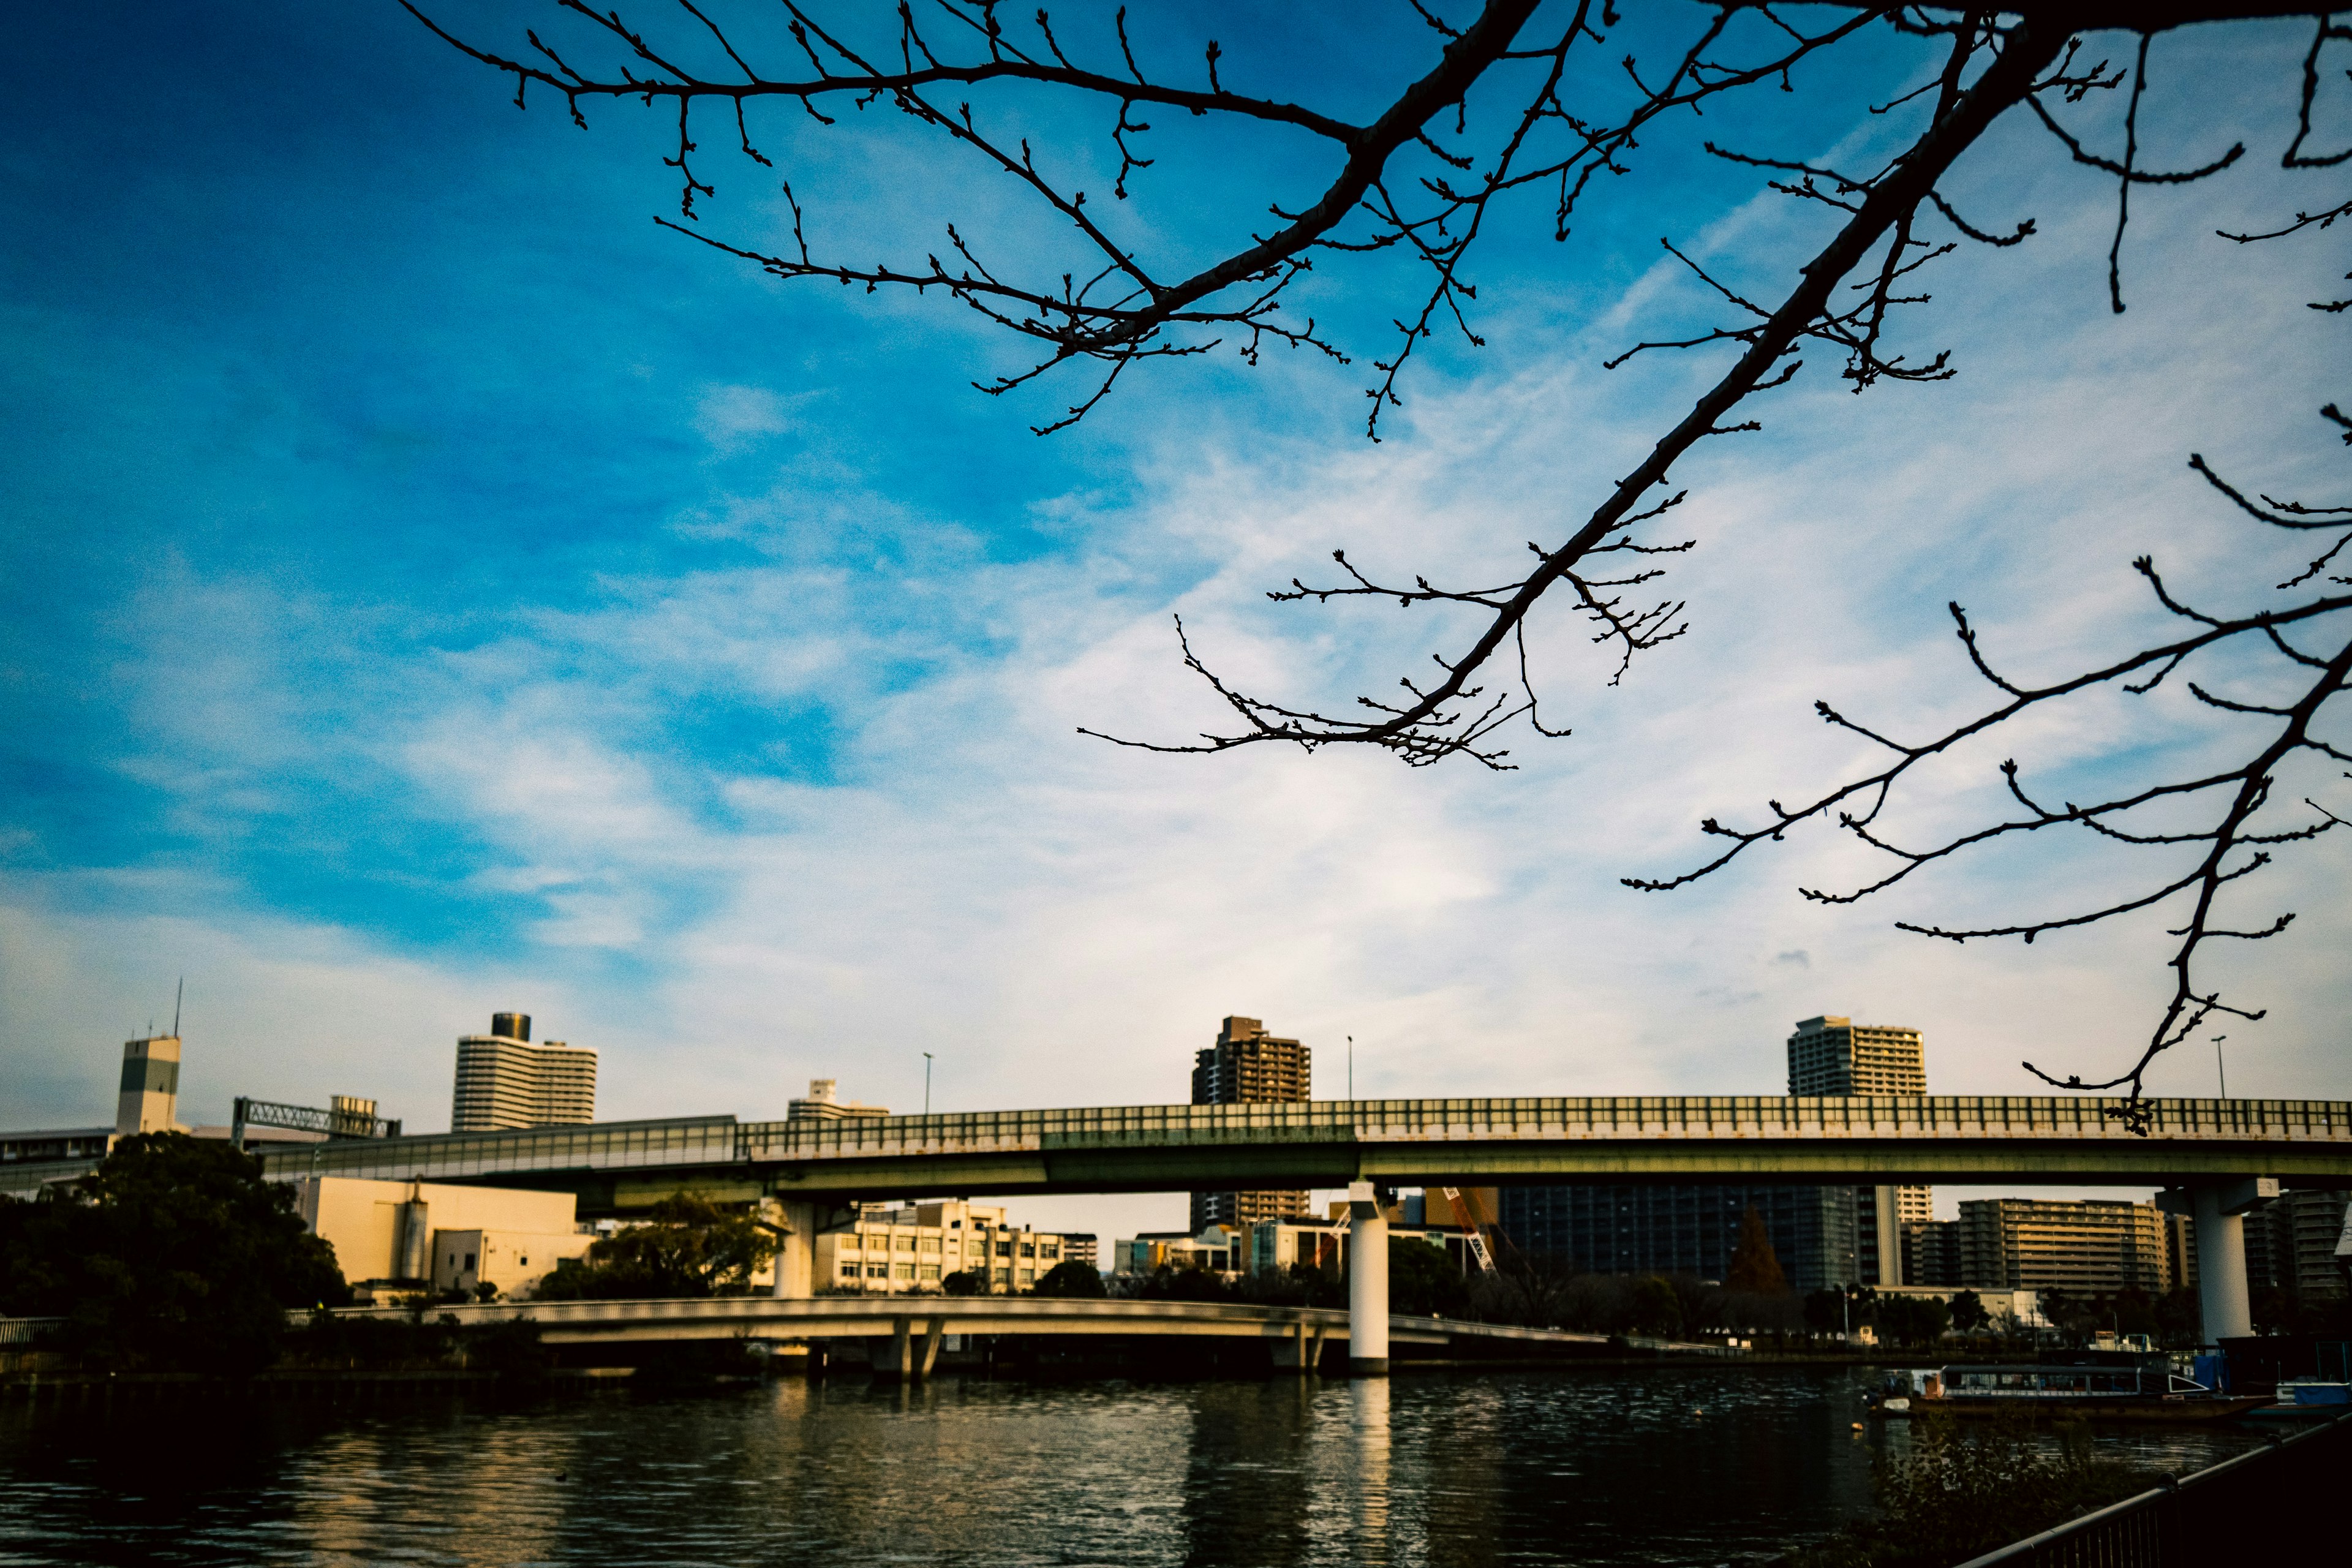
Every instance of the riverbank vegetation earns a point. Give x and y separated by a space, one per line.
173 1255
688 1246
1966 1488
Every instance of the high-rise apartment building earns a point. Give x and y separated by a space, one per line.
1246 1066
504 1080
1833 1057
2031 1243
1837 1056
2291 1244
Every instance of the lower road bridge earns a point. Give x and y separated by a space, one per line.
916 1327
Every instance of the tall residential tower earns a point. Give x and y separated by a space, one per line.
1248 1066
504 1080
1837 1057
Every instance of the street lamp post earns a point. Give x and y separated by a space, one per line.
927 1083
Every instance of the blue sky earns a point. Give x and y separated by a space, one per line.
427 587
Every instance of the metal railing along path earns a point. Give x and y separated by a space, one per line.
2224 1515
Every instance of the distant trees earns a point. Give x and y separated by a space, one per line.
1425 1282
1754 1267
1656 1309
1969 1312
1072 1280
965 1282
175 1253
688 1246
1912 1319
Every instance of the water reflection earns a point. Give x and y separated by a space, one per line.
1471 1471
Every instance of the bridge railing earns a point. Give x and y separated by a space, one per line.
598 1146
713 1140
1716 1117
2207 1517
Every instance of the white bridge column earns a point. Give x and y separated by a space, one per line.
2221 1262
796 1258
1368 1283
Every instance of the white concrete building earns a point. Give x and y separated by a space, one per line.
917 1247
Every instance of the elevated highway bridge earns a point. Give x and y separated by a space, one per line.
2216 1148
615 1167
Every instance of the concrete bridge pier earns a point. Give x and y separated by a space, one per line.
2221 1297
909 1360
1301 1350
1368 1283
796 1227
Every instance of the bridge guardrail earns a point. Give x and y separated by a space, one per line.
1720 1120
2201 1517
28 1331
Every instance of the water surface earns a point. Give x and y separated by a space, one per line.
1683 1467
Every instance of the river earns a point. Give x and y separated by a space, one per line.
1451 1469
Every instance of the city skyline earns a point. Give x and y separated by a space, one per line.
408 624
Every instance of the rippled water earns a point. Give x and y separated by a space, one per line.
1566 1466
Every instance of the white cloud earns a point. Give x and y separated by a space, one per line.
1061 921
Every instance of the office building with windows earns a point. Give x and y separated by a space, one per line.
504 1080
1247 1066
915 1247
1674 1228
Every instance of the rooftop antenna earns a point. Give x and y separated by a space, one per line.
177 993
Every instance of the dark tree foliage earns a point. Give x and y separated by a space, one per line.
1755 1267
1657 1308
1911 1320
1969 1312
688 1246
1072 1280
1513 105
965 1282
1424 1280
1183 1283
173 1254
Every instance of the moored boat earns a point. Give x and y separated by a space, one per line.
2097 1387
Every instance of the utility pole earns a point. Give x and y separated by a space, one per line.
927 1083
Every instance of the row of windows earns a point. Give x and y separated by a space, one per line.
926 1271
874 1242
